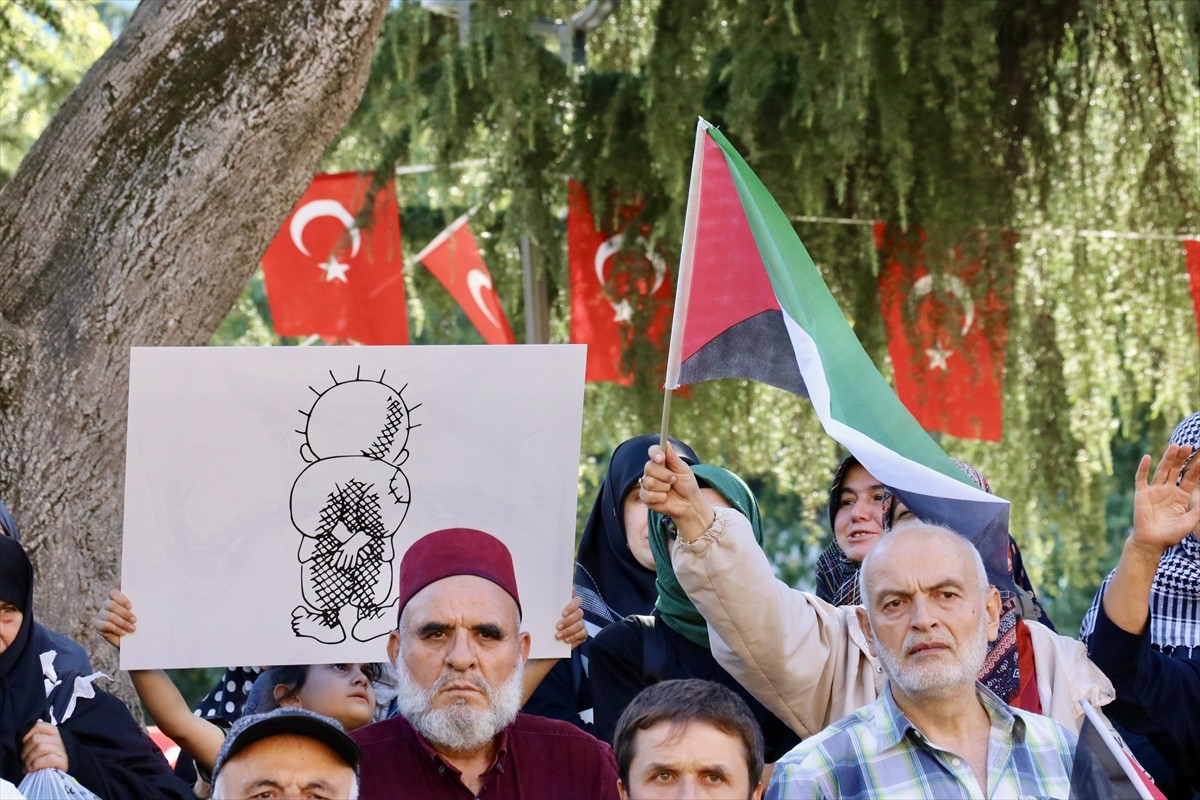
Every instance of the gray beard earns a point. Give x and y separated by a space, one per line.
459 727
937 680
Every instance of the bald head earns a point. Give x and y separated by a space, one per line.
928 612
921 537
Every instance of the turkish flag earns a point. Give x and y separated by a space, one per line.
610 289
1191 248
453 258
326 276
946 338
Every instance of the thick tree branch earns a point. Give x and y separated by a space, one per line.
136 219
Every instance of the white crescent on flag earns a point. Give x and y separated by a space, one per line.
476 280
611 246
323 208
954 286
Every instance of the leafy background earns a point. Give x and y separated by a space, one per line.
1055 120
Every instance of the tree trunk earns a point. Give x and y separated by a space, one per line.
136 219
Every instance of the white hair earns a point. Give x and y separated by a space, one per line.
458 727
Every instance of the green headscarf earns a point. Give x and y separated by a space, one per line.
673 604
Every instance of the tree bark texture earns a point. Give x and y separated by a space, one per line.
136 219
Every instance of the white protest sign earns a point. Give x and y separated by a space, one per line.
270 493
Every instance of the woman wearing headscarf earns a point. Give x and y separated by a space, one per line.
672 642
614 576
1172 633
855 518
69 655
1175 594
87 733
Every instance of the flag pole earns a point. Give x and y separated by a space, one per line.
441 238
666 418
683 283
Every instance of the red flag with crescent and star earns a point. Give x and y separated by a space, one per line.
453 258
327 276
946 338
611 288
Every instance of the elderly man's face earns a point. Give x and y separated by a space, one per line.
459 656
286 766
926 613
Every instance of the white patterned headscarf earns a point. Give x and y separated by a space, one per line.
1175 594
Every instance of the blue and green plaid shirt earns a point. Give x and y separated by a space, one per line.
876 752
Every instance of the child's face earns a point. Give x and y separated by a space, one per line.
341 691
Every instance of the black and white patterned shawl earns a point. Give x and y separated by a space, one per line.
1175 594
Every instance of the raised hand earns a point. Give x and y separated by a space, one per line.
669 487
1161 517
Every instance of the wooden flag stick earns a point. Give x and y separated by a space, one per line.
683 280
666 418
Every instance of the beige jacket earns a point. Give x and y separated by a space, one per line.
808 661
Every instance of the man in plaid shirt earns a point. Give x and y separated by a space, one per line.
935 732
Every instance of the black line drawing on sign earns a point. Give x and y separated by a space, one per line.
348 504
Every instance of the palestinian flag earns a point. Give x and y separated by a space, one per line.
750 303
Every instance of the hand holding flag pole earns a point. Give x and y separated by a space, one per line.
750 303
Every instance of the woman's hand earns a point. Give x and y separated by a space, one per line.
115 618
669 487
43 747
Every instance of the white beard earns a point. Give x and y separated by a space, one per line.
459 727
938 679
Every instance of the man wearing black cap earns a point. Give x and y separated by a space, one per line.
459 655
289 752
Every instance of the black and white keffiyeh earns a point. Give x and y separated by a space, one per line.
1175 593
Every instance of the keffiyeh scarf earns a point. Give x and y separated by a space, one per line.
1175 593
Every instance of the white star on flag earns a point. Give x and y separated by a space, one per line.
622 311
334 270
937 357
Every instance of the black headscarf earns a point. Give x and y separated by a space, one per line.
71 656
22 691
610 581
8 524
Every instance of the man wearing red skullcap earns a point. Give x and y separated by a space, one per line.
459 655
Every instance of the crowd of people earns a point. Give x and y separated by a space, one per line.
694 671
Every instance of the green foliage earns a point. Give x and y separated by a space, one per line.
193 684
45 48
1047 119
1000 115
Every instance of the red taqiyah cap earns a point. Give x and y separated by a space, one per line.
456 551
